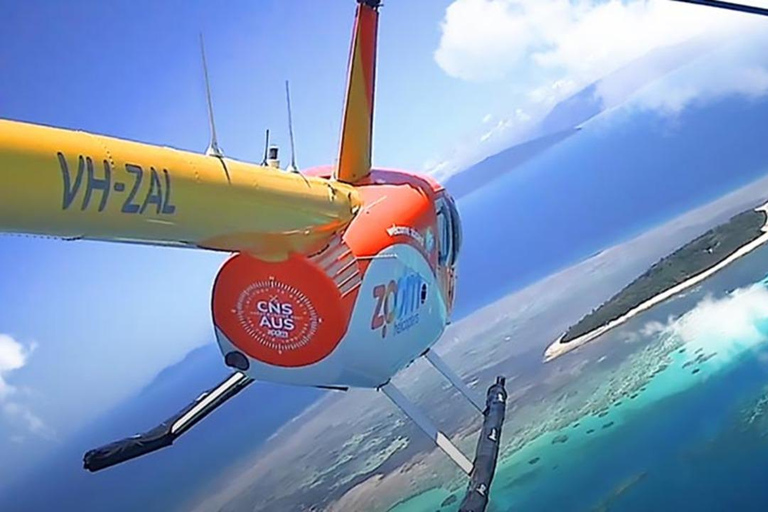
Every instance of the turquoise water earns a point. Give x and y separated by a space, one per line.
694 438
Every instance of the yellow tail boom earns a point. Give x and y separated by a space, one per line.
73 184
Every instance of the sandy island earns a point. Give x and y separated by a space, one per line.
557 348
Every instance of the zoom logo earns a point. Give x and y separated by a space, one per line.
398 303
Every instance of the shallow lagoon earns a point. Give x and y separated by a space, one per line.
680 423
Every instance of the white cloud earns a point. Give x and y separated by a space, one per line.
729 325
554 48
584 39
14 356
23 415
700 84
652 328
726 326
482 39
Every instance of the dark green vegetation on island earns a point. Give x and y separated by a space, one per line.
693 258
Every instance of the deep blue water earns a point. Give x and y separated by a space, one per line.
619 176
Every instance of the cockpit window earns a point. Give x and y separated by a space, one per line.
456 227
443 234
449 230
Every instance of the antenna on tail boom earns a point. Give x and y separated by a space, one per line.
213 145
292 167
266 149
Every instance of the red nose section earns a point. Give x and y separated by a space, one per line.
288 313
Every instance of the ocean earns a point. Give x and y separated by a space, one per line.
683 421
623 174
605 185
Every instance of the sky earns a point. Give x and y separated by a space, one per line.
85 325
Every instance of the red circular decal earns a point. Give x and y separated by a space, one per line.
286 313
277 315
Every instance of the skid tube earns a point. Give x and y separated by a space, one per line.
481 471
487 451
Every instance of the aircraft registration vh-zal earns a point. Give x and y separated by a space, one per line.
340 276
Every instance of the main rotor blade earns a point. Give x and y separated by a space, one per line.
167 432
729 5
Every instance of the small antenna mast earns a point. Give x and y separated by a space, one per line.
213 145
266 149
292 167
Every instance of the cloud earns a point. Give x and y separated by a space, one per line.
560 46
483 40
738 74
548 50
584 39
652 328
14 356
729 325
23 415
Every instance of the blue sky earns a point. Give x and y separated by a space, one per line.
91 323
132 69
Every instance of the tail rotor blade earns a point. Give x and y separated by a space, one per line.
729 6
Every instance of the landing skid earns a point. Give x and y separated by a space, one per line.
482 471
168 431
487 451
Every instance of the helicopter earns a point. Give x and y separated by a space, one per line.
338 277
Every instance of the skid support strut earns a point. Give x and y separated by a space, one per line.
446 371
413 412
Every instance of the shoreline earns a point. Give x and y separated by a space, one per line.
666 372
556 348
